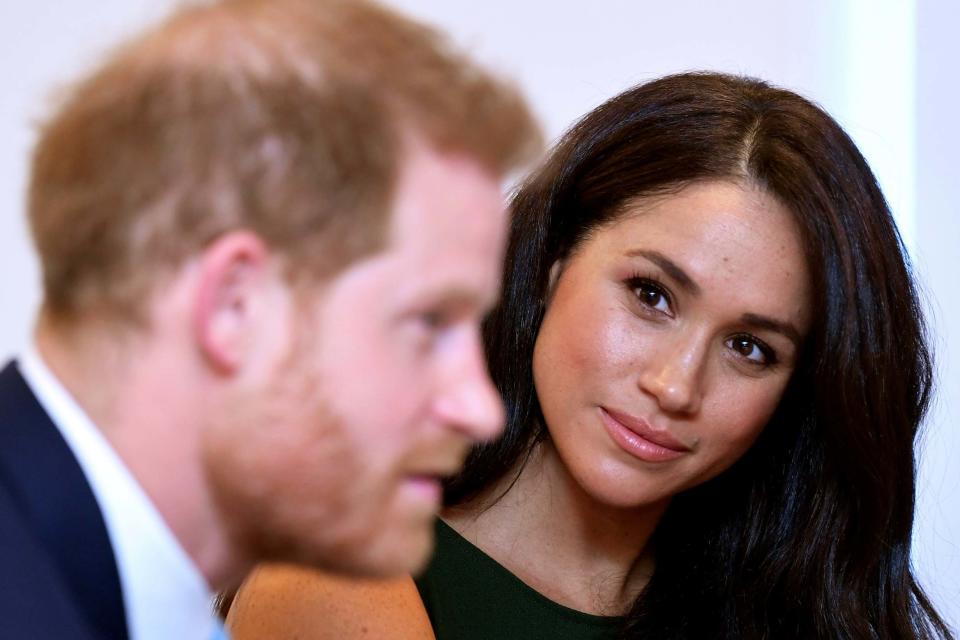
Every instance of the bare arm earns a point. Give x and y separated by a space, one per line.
286 602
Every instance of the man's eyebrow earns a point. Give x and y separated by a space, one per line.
770 324
455 297
669 267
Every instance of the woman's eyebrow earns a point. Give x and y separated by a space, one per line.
780 326
669 267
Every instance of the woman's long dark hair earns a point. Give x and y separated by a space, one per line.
808 535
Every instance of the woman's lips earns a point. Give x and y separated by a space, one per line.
638 438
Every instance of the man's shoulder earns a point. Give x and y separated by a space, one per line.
53 541
15 394
35 602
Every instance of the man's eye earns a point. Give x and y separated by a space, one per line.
751 349
432 320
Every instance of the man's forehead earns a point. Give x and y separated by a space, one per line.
446 195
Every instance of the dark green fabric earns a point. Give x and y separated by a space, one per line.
470 596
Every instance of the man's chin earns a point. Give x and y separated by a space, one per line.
396 539
398 554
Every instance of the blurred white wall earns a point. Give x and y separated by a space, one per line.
885 68
937 253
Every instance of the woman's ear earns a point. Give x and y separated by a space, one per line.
555 270
232 275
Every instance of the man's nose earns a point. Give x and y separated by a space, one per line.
469 402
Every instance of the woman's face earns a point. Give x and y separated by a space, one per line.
669 338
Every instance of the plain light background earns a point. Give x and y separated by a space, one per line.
886 69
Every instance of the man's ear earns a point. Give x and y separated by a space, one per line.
233 274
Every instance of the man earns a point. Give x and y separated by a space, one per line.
268 231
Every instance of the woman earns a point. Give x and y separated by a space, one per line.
714 365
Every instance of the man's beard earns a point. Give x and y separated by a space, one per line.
276 464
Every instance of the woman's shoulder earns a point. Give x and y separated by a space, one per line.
284 601
469 594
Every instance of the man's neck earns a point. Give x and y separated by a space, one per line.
149 408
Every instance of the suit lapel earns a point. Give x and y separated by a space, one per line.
47 485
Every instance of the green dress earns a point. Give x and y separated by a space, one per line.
470 596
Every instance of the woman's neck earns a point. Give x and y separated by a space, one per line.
558 539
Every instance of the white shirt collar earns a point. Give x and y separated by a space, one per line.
164 593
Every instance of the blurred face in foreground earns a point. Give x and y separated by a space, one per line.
669 339
378 390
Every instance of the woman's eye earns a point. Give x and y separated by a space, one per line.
650 295
751 349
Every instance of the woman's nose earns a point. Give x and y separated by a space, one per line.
673 374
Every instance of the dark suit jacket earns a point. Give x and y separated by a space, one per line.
58 575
